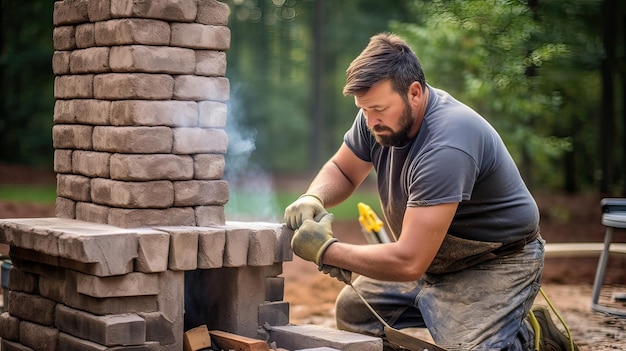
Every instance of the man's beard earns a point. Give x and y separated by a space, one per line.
399 138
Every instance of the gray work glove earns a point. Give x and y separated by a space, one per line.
343 275
305 207
311 240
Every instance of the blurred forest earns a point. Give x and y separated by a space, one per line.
548 74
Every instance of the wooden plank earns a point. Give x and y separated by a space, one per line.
197 339
229 341
581 249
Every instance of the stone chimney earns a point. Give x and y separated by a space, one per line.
140 111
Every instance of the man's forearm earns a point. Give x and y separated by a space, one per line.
331 185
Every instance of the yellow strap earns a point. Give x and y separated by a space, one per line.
569 334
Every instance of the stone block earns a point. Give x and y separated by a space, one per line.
90 212
213 12
262 247
74 86
133 140
211 248
172 287
70 12
23 281
236 247
199 141
52 284
131 284
82 111
75 187
208 166
152 59
85 35
63 161
210 215
151 167
91 163
183 254
296 337
210 63
90 60
61 62
152 194
152 251
274 313
9 327
65 208
64 38
200 192
274 288
70 343
200 36
72 136
196 88
126 86
176 11
33 308
212 114
159 328
19 233
39 337
132 31
99 11
134 218
109 330
154 113
13 346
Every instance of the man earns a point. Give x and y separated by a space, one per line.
468 257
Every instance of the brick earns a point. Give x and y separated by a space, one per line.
199 140
152 251
13 346
208 166
61 62
83 111
274 288
31 308
213 12
71 343
179 11
91 163
159 328
196 339
65 208
200 36
132 31
53 286
70 11
74 86
133 218
210 63
172 286
200 192
89 212
90 60
85 35
236 247
154 113
74 187
72 136
151 167
109 330
210 215
131 284
9 327
20 280
196 88
63 161
64 38
99 11
274 313
183 254
120 86
153 194
262 247
211 244
152 59
133 140
296 337
212 114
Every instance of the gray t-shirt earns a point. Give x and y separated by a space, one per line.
457 156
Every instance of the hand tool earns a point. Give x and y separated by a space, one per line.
373 228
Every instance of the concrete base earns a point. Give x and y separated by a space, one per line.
303 337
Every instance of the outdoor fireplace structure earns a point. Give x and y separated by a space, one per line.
140 250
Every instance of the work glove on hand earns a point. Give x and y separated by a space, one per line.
343 275
306 207
311 240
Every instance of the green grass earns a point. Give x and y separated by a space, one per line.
28 193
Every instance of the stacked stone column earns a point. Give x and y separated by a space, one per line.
140 111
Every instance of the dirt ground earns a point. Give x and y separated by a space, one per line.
566 281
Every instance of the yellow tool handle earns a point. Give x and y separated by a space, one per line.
368 218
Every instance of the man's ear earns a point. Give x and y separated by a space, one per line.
415 91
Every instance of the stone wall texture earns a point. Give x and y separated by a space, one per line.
140 111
